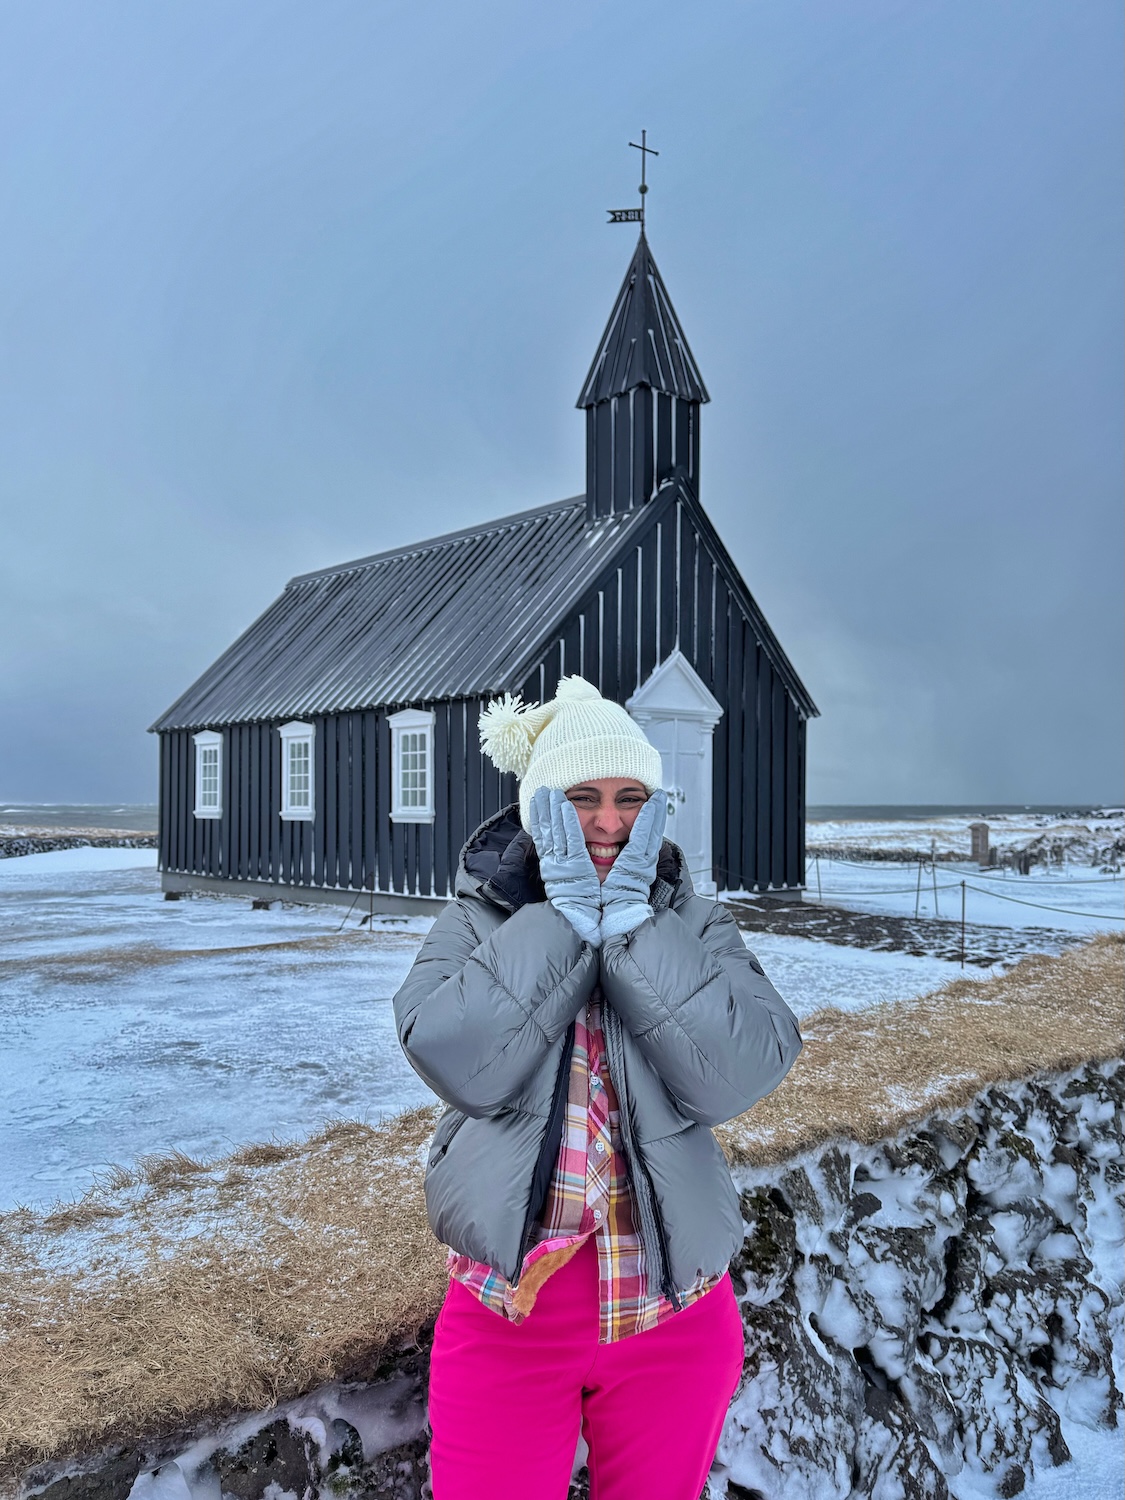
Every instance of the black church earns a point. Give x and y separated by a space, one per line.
331 753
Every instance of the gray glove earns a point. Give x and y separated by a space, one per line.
625 889
568 872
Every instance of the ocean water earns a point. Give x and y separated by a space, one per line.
137 817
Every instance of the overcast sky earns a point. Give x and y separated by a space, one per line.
283 284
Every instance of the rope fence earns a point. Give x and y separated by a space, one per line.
910 864
952 885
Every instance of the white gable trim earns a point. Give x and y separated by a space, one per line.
675 690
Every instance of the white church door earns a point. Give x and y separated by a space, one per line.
678 714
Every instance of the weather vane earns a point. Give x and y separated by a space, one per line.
636 215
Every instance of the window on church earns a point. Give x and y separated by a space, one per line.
297 799
208 774
412 756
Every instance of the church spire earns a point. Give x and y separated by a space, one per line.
641 397
643 343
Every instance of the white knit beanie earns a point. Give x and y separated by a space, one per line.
578 736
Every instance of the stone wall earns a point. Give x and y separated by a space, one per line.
925 1316
14 845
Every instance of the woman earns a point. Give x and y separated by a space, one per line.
586 1017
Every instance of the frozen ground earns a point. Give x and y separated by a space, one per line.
129 1024
1081 836
1082 901
1096 1470
1077 886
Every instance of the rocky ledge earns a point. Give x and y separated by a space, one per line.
925 1317
934 1308
14 845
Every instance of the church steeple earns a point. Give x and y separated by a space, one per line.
642 397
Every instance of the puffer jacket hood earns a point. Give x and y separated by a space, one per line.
695 1034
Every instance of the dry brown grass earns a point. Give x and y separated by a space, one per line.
199 1291
871 1073
178 1292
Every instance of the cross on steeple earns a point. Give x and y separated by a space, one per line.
646 150
636 215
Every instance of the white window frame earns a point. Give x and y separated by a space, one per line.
206 741
297 734
411 721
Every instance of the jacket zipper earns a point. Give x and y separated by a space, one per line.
661 895
548 1151
666 1260
638 1164
669 1290
448 1141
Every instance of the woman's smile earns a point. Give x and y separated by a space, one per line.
604 854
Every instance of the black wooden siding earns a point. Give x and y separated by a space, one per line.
351 843
634 442
668 589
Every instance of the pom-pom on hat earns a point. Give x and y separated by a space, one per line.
578 736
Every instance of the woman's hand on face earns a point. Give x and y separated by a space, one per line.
625 890
569 877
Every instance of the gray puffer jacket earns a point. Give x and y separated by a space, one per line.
694 1031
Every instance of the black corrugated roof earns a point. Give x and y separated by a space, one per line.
643 343
452 617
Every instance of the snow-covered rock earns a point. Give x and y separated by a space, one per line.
923 1312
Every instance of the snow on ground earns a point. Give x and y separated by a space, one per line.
811 975
62 862
1077 890
1082 901
1096 1473
130 1024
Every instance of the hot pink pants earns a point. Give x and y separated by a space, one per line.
507 1401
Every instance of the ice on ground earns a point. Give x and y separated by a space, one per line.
15 872
1081 901
129 1024
810 975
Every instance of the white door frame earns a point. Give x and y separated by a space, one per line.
678 712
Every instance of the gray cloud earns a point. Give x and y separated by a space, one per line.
279 288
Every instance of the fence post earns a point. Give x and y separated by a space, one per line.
962 924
